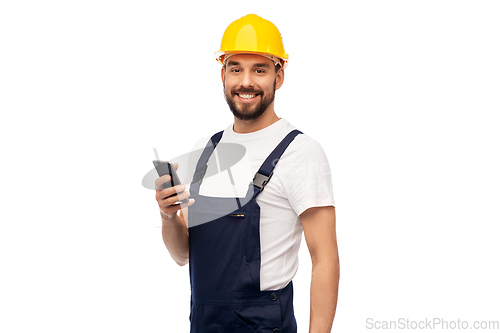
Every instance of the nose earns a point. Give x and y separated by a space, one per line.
246 79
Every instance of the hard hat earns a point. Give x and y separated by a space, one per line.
255 35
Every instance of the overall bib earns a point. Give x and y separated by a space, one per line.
224 259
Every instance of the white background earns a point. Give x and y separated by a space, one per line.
402 95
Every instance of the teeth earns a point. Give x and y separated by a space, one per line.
247 96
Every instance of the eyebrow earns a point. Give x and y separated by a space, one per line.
235 63
232 63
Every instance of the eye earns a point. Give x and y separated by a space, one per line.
235 70
260 71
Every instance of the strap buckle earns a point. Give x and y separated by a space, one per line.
198 175
261 180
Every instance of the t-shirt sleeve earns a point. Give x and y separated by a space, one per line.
309 179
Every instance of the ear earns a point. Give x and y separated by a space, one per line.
280 77
222 74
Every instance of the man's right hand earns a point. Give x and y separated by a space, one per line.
166 203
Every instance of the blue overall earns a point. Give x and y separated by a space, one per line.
224 259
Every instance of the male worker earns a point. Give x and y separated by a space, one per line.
242 260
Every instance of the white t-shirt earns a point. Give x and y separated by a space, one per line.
301 180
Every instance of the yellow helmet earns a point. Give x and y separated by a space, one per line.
253 34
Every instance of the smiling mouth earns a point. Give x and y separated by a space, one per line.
247 97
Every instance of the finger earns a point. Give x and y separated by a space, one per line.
176 166
160 181
189 203
163 194
172 200
171 210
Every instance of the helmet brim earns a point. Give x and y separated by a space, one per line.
221 55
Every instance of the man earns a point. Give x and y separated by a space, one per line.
242 260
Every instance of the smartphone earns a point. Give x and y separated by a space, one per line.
166 168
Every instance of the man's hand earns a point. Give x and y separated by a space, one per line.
168 197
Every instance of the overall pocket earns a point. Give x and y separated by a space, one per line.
260 317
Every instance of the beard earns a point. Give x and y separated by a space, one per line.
246 112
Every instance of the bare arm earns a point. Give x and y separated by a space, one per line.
174 228
319 231
176 238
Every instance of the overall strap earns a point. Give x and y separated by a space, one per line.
266 170
201 167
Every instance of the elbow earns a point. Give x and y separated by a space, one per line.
333 263
182 262
329 260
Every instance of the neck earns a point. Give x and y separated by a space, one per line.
248 126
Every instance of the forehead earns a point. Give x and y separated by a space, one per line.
249 60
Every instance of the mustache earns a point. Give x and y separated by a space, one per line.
246 91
